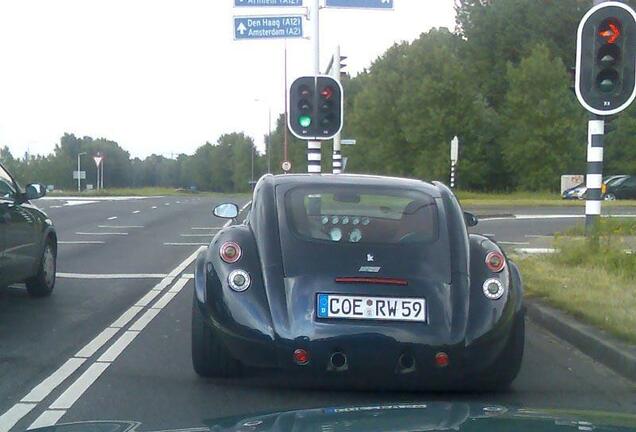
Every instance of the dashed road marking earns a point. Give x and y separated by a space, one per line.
75 390
513 243
206 228
14 415
135 212
43 389
120 226
154 207
112 218
102 233
79 242
198 235
47 418
184 244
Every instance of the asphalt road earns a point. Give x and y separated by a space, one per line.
118 346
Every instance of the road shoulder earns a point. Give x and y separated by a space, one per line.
599 345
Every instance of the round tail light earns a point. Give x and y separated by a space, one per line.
441 359
495 261
230 252
301 357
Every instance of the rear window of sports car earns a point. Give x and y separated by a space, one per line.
350 214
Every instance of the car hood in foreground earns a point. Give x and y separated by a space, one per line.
436 416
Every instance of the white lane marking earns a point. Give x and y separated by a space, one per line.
198 235
75 390
188 275
116 348
245 206
178 202
154 207
80 242
42 390
553 216
47 418
56 206
126 317
206 228
102 233
513 243
185 244
538 236
111 276
93 346
76 203
535 250
112 218
79 386
135 212
178 286
166 204
14 415
148 298
120 226
181 267
143 320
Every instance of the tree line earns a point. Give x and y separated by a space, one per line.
501 81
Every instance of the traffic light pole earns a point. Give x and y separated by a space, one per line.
314 150
594 179
337 151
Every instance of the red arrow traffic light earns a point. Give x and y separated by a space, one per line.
610 31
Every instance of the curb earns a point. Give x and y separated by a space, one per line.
602 347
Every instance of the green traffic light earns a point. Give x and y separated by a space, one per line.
607 80
304 121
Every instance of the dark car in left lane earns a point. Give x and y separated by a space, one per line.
28 241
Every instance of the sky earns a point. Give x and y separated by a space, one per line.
164 77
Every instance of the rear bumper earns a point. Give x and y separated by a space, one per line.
373 357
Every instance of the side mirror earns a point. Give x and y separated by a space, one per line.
35 191
471 219
226 211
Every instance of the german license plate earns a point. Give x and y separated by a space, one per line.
371 308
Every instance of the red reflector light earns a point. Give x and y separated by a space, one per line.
230 252
441 359
495 261
372 280
301 357
327 92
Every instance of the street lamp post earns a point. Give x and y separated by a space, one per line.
79 171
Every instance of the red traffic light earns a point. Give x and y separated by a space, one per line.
610 30
327 92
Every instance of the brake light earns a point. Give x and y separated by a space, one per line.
495 261
230 252
372 281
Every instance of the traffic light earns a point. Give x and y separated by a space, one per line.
606 58
315 108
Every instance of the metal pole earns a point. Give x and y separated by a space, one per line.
594 180
286 109
79 184
314 155
97 180
252 163
337 147
452 175
102 165
269 140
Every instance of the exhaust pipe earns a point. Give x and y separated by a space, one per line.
338 361
406 363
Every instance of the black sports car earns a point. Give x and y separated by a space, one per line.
371 278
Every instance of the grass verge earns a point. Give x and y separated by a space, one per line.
527 199
595 283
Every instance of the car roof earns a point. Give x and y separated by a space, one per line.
352 179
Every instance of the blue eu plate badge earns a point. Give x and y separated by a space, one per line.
323 299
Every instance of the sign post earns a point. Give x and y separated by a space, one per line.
98 161
454 157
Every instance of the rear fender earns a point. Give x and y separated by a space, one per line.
239 314
491 318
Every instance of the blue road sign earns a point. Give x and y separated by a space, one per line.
272 3
363 4
268 27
